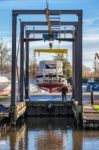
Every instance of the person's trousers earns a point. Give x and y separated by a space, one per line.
63 97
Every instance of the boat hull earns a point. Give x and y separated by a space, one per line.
4 86
50 87
5 93
4 89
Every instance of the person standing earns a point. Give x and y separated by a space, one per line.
64 91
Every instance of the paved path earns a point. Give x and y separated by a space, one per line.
86 99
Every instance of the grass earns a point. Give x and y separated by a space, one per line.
96 107
4 97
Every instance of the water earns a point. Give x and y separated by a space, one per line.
49 134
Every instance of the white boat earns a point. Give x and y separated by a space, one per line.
4 84
50 76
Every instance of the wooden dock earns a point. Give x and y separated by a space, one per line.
49 108
86 115
36 108
14 112
17 111
89 115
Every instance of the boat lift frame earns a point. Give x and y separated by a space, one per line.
76 46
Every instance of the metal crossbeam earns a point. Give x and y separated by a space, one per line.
65 39
46 31
32 39
52 12
40 39
52 23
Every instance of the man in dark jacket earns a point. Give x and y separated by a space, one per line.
64 90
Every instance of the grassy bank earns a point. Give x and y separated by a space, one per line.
96 107
4 97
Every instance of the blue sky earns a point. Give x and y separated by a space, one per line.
90 23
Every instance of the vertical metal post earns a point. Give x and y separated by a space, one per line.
13 83
21 62
79 58
73 68
76 64
72 73
27 69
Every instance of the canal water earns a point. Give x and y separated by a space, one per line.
48 134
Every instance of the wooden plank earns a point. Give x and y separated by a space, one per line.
90 116
88 109
20 109
4 114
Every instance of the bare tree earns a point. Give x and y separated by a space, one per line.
5 57
67 68
33 69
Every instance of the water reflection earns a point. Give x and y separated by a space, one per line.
14 139
18 138
86 140
50 140
48 134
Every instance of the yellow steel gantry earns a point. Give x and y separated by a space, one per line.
58 51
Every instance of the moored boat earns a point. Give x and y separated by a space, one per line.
4 86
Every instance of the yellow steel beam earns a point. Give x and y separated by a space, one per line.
59 51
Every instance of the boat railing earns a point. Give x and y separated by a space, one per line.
52 71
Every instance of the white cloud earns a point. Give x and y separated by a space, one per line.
90 21
91 38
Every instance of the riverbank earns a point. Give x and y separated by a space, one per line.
5 97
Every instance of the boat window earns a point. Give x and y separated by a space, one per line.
50 66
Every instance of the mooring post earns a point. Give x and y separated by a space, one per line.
13 116
92 98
